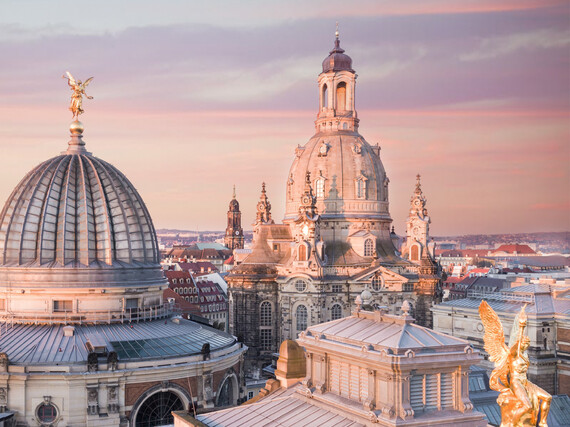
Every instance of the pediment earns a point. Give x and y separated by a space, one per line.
389 275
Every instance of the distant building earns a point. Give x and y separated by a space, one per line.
234 233
212 252
548 310
512 250
209 298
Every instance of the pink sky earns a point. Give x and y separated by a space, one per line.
193 98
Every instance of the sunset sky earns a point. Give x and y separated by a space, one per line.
191 97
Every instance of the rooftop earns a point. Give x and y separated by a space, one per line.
48 345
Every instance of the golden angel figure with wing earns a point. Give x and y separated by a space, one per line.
520 400
78 89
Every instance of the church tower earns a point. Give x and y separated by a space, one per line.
417 244
234 232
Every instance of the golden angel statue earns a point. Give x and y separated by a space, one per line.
78 89
520 400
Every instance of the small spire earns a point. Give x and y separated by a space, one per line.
336 34
234 194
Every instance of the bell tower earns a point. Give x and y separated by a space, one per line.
337 85
234 233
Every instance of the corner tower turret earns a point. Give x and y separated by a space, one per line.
417 241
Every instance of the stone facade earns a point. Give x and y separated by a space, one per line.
335 239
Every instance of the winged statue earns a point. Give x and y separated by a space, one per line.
78 88
522 403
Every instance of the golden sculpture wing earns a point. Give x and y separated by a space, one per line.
71 79
494 337
87 81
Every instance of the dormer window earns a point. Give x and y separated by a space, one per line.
368 247
360 183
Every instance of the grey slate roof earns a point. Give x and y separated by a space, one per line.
390 333
47 345
540 298
284 408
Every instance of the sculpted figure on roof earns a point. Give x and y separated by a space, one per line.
78 88
519 399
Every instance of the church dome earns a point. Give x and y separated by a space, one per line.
75 227
347 176
346 173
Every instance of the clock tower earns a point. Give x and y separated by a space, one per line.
234 233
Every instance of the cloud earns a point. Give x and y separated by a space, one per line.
498 46
563 206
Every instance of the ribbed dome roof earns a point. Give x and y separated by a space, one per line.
76 210
337 59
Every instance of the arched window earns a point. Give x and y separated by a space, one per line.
157 409
415 253
341 96
320 188
302 253
336 312
325 95
377 283
265 313
368 247
301 314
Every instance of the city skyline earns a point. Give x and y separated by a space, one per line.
192 99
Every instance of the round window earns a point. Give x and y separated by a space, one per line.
377 283
300 285
46 413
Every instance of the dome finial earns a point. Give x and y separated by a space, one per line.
234 194
336 34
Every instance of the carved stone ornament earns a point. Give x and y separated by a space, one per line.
112 399
4 362
92 400
3 397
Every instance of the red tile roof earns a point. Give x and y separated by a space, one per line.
518 249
